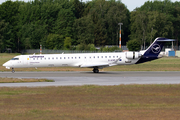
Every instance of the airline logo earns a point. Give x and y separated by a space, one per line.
156 48
36 56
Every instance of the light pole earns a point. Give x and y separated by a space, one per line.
120 35
40 49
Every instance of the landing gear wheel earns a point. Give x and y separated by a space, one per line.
13 70
95 70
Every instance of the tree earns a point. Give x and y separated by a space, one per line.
9 12
64 23
67 43
54 41
3 32
79 8
176 21
153 19
133 45
100 25
152 32
84 29
139 21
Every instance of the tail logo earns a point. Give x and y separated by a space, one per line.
156 48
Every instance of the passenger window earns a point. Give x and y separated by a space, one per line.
101 56
105 56
79 57
75 57
72 58
94 56
64 57
49 58
97 56
56 57
109 56
113 56
60 58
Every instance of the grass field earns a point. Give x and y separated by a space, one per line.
123 102
22 80
163 64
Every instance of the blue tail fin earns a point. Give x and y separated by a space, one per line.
153 50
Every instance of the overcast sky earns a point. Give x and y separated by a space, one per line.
130 4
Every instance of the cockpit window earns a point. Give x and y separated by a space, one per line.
15 59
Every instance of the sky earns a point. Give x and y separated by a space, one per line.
130 4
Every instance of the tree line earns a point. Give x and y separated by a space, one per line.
73 24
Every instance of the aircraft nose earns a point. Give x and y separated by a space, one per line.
6 64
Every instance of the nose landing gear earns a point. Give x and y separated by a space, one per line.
13 70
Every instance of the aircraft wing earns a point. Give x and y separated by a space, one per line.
100 65
92 65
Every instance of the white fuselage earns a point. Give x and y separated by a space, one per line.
91 60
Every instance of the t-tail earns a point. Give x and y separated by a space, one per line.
152 52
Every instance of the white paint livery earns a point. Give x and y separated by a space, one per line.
90 60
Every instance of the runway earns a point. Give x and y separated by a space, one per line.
90 78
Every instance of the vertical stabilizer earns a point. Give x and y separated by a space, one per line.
152 52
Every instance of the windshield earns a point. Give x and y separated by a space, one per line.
15 59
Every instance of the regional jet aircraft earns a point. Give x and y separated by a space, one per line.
90 60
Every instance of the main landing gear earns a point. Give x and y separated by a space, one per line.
96 70
13 70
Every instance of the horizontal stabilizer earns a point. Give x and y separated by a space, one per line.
165 40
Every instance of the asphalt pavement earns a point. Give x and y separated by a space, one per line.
90 78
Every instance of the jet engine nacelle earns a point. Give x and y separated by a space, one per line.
132 55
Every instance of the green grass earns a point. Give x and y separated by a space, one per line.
91 102
21 80
6 56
